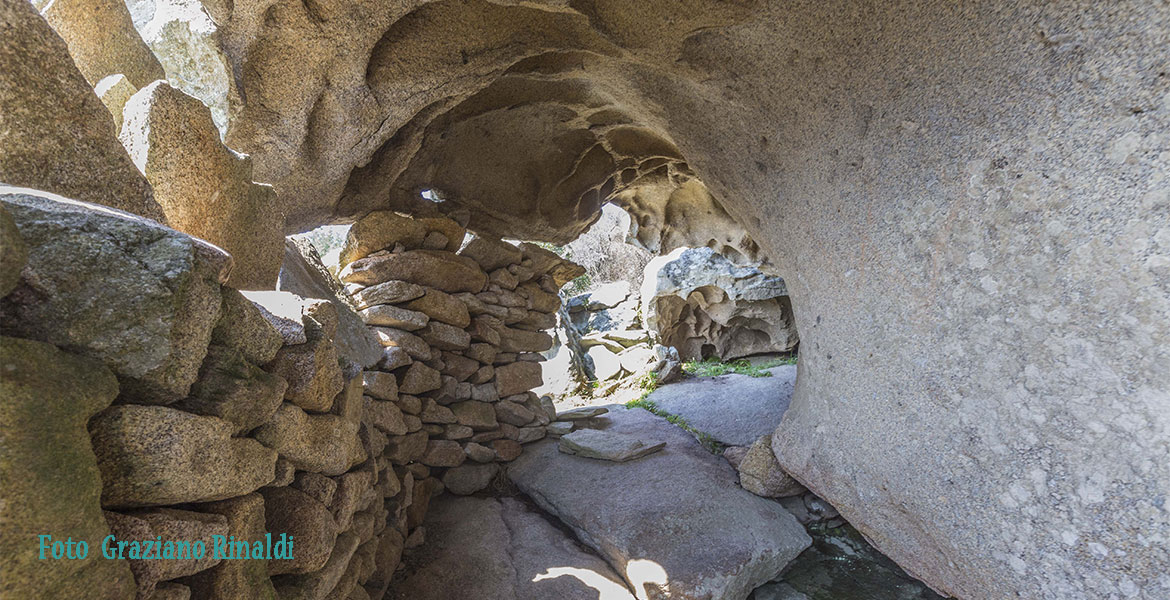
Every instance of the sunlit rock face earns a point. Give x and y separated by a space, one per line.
968 204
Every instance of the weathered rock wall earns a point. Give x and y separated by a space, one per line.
701 303
174 406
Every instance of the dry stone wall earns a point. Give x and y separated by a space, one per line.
172 406
462 325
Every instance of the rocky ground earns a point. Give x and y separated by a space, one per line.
621 503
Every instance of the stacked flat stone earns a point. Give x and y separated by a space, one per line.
193 410
462 324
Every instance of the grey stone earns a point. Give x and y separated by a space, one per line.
137 296
608 445
762 475
393 316
702 303
585 412
388 292
498 548
154 455
734 409
468 479
234 390
302 273
242 326
706 538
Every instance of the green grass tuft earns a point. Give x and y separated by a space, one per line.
713 367
708 442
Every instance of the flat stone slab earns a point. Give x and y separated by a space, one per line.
734 409
501 549
585 412
675 524
608 445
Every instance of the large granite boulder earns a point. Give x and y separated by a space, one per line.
55 134
733 409
138 296
674 523
51 481
102 40
205 188
701 303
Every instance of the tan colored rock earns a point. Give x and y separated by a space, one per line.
506 450
520 340
327 444
55 134
380 230
433 412
443 453
154 455
442 306
170 525
102 40
517 378
385 415
419 378
303 274
312 373
479 416
294 513
115 91
440 270
491 254
761 474
246 579
445 337
468 479
382 386
415 346
406 448
205 188
513 413
318 584
51 479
